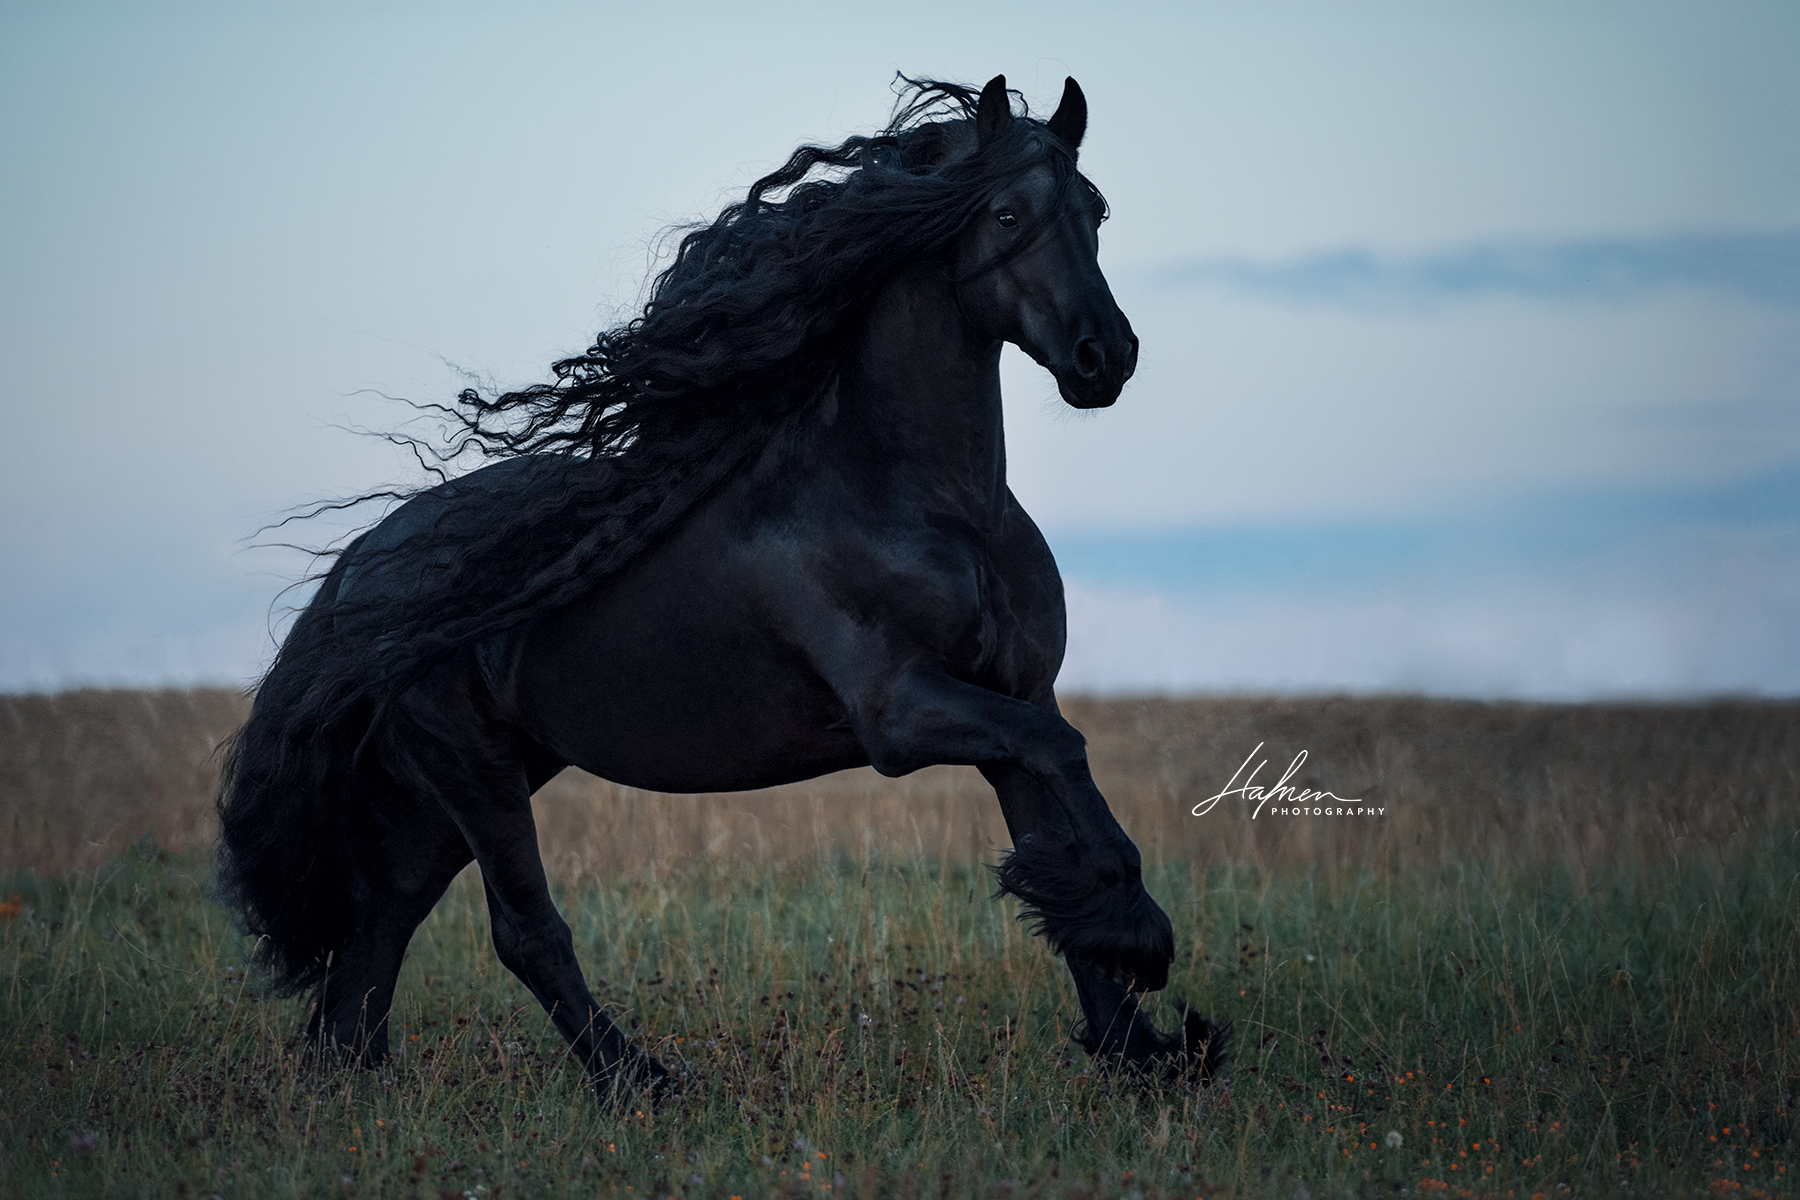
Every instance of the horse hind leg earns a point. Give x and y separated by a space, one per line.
482 773
413 865
534 943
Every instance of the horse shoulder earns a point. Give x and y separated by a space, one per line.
1028 597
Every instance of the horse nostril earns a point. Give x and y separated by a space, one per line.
1090 358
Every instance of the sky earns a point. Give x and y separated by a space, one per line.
1470 333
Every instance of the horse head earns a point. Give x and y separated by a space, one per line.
1028 266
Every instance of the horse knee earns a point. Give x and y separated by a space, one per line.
893 746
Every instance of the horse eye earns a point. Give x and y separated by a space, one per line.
1006 218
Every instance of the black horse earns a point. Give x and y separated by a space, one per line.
759 533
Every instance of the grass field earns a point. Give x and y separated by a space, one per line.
1565 962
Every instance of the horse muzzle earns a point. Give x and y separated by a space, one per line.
1097 370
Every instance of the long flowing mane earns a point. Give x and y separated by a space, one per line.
739 342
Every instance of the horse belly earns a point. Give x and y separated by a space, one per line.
676 689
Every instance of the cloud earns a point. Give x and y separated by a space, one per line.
1670 593
1538 638
1549 532
1760 268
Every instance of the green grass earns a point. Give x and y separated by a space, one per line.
888 1030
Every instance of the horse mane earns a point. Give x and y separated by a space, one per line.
751 309
735 349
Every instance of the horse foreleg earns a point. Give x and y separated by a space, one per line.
1114 1028
1080 877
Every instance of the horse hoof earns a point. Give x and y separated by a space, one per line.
637 1079
1194 1054
1205 1046
664 1086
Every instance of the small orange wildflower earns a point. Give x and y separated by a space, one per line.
12 908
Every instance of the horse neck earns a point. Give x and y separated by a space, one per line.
922 395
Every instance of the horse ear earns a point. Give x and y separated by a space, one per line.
994 111
1070 121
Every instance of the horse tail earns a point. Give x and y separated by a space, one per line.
296 842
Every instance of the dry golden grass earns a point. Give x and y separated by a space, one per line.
84 774
1514 975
